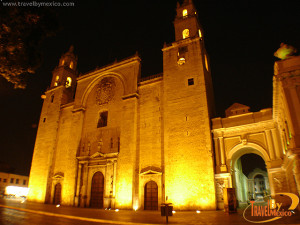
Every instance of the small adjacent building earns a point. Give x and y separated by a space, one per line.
13 184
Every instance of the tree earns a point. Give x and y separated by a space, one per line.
22 30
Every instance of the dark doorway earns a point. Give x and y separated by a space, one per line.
151 196
97 191
57 194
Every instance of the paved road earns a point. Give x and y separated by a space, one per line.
17 213
16 217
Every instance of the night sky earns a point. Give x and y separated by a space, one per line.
240 39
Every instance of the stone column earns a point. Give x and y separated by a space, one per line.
223 167
296 171
276 143
267 183
217 152
83 200
270 144
77 196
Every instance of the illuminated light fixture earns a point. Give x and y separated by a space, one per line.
135 208
117 210
58 205
173 211
181 61
198 211
43 96
105 208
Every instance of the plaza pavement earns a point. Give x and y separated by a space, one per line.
142 217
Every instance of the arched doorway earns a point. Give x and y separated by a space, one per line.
57 194
97 190
151 196
250 178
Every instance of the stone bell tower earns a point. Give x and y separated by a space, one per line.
189 170
60 92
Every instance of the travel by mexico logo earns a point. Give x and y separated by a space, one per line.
264 213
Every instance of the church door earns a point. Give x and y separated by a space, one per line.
57 194
151 196
97 191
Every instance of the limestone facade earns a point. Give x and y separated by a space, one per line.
130 130
112 139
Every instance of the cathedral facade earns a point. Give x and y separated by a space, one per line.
111 139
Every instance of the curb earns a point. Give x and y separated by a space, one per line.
75 217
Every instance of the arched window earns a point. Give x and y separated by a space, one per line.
184 13
71 65
185 33
56 81
102 122
200 34
68 82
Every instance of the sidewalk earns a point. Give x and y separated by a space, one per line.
138 217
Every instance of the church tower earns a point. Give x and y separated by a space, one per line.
60 92
189 169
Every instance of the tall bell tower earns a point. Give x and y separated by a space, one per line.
188 150
65 74
60 93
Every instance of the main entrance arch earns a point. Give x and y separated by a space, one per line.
97 190
151 196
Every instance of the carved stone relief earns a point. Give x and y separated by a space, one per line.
105 90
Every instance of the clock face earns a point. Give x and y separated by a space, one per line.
185 33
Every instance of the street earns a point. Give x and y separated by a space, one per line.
14 212
16 217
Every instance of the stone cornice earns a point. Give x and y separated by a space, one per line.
247 128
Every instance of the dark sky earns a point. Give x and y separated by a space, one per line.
240 38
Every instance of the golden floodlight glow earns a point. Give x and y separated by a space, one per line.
124 192
173 211
186 191
184 12
17 191
198 211
117 210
